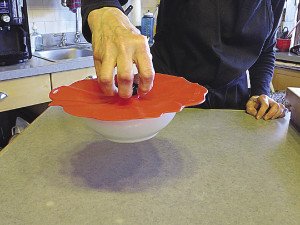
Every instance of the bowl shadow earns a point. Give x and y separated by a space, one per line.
115 167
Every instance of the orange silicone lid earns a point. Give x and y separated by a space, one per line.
169 94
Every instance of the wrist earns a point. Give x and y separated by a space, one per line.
97 16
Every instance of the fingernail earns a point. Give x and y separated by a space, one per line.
124 94
141 94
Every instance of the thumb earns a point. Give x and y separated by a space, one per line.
252 105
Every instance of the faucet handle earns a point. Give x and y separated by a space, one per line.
63 40
77 37
64 3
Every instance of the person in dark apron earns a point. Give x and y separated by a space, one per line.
210 42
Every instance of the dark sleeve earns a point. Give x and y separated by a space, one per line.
261 72
89 5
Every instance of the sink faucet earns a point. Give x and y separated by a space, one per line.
63 40
77 34
64 3
77 38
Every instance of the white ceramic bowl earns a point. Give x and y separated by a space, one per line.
130 131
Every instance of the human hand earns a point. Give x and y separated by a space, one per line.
265 107
118 43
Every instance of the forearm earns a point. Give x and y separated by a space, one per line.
261 74
90 5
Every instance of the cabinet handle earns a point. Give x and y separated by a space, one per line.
3 95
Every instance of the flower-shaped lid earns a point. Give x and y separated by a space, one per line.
169 94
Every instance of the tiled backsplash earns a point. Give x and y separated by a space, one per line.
51 17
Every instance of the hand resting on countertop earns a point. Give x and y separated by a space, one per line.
265 107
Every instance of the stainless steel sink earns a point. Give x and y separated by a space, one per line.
63 54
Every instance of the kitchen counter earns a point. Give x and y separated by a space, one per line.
288 60
37 66
206 167
288 57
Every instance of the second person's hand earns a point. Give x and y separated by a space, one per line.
265 107
118 43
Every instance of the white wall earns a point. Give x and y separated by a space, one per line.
291 10
149 5
50 16
291 16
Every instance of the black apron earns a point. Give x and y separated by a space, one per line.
213 43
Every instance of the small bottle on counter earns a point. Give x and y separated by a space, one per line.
148 26
36 40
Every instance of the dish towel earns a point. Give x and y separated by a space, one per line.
73 5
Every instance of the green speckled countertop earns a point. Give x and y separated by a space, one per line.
206 167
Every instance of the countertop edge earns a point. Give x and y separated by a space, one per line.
45 67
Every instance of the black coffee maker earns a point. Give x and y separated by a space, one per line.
14 32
